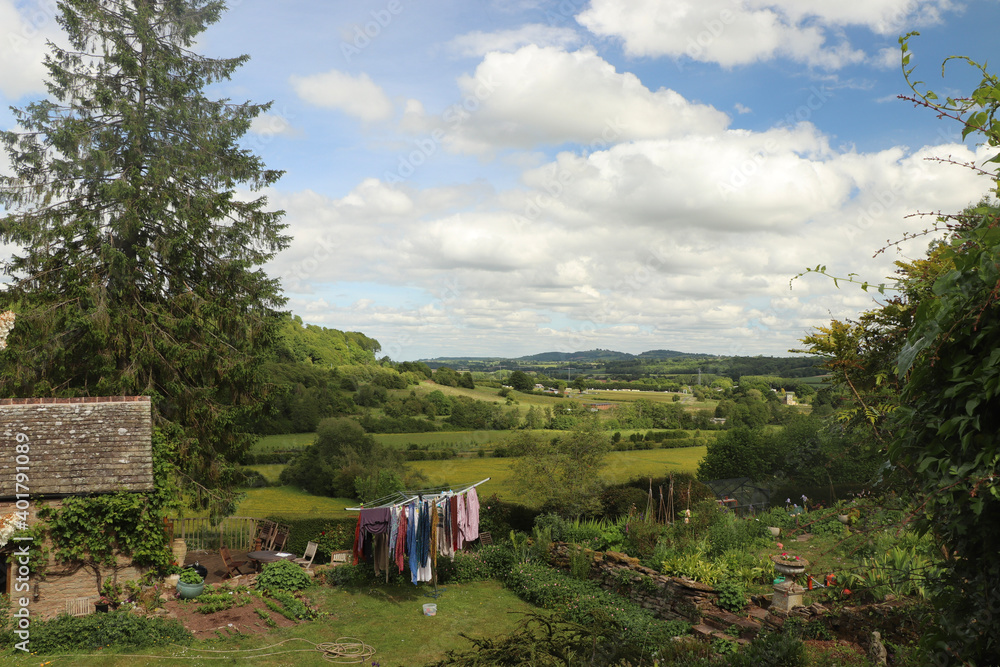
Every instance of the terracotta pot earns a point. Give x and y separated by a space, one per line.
179 548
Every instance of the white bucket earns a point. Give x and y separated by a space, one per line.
430 609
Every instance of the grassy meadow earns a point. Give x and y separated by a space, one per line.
620 467
388 619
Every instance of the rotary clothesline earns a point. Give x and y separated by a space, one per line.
406 497
417 525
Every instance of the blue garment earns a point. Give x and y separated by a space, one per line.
393 527
411 540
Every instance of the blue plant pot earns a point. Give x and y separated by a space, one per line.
188 591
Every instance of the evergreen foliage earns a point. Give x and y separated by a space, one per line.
140 269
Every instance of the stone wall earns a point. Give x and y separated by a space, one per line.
62 585
679 598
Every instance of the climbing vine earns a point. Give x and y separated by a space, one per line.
93 530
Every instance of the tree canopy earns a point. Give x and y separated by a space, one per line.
923 373
140 264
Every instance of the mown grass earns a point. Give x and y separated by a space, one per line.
389 619
621 467
270 443
292 503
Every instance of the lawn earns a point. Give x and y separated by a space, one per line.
292 503
621 466
389 619
270 443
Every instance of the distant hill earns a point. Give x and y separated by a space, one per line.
673 354
314 344
589 355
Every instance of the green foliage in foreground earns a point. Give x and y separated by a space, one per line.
116 629
587 603
283 575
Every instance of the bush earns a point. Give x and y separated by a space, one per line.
498 559
586 603
731 533
116 629
732 595
283 575
499 517
464 568
330 534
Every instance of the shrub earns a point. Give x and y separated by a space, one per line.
116 629
586 603
732 595
283 575
729 533
498 559
464 568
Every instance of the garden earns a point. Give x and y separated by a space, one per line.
611 591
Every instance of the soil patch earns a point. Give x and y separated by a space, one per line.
228 622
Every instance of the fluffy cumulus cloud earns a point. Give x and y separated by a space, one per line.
548 96
740 33
273 125
652 239
26 27
357 96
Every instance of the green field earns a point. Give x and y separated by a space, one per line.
292 503
270 443
621 467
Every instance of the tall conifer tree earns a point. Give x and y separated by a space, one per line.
139 269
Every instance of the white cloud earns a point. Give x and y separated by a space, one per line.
23 47
356 96
637 240
887 58
550 96
478 43
273 125
732 34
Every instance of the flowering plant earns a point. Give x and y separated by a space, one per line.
9 524
786 557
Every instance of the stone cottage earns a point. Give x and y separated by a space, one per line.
64 447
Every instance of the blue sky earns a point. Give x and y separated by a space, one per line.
507 178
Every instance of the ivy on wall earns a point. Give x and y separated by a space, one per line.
94 530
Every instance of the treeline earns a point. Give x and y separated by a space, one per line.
317 373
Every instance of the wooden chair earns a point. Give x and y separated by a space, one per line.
340 558
265 535
231 565
485 538
280 540
307 558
